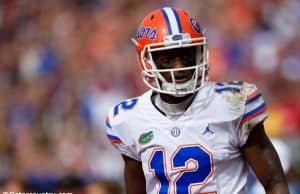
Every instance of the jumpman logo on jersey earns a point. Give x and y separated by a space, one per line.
208 130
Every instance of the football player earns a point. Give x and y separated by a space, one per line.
187 135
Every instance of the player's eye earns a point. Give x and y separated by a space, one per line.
165 65
189 61
162 61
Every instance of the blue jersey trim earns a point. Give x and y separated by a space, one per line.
263 105
253 98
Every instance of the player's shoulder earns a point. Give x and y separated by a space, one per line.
126 110
229 98
120 111
240 89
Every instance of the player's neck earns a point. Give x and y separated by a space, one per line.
170 107
173 99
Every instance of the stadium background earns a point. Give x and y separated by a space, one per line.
64 63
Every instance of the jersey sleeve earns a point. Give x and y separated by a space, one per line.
255 111
119 137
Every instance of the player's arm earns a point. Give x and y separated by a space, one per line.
134 176
262 157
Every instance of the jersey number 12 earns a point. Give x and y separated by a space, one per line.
193 162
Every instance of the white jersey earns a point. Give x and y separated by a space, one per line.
199 153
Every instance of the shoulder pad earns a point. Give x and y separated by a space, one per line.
119 111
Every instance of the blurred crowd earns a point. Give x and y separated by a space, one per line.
64 63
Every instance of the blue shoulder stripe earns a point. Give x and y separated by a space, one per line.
112 137
260 107
248 101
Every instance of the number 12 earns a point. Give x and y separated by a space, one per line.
200 158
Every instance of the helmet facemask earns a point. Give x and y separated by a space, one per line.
164 78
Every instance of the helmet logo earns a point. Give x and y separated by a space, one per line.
146 32
195 25
177 37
